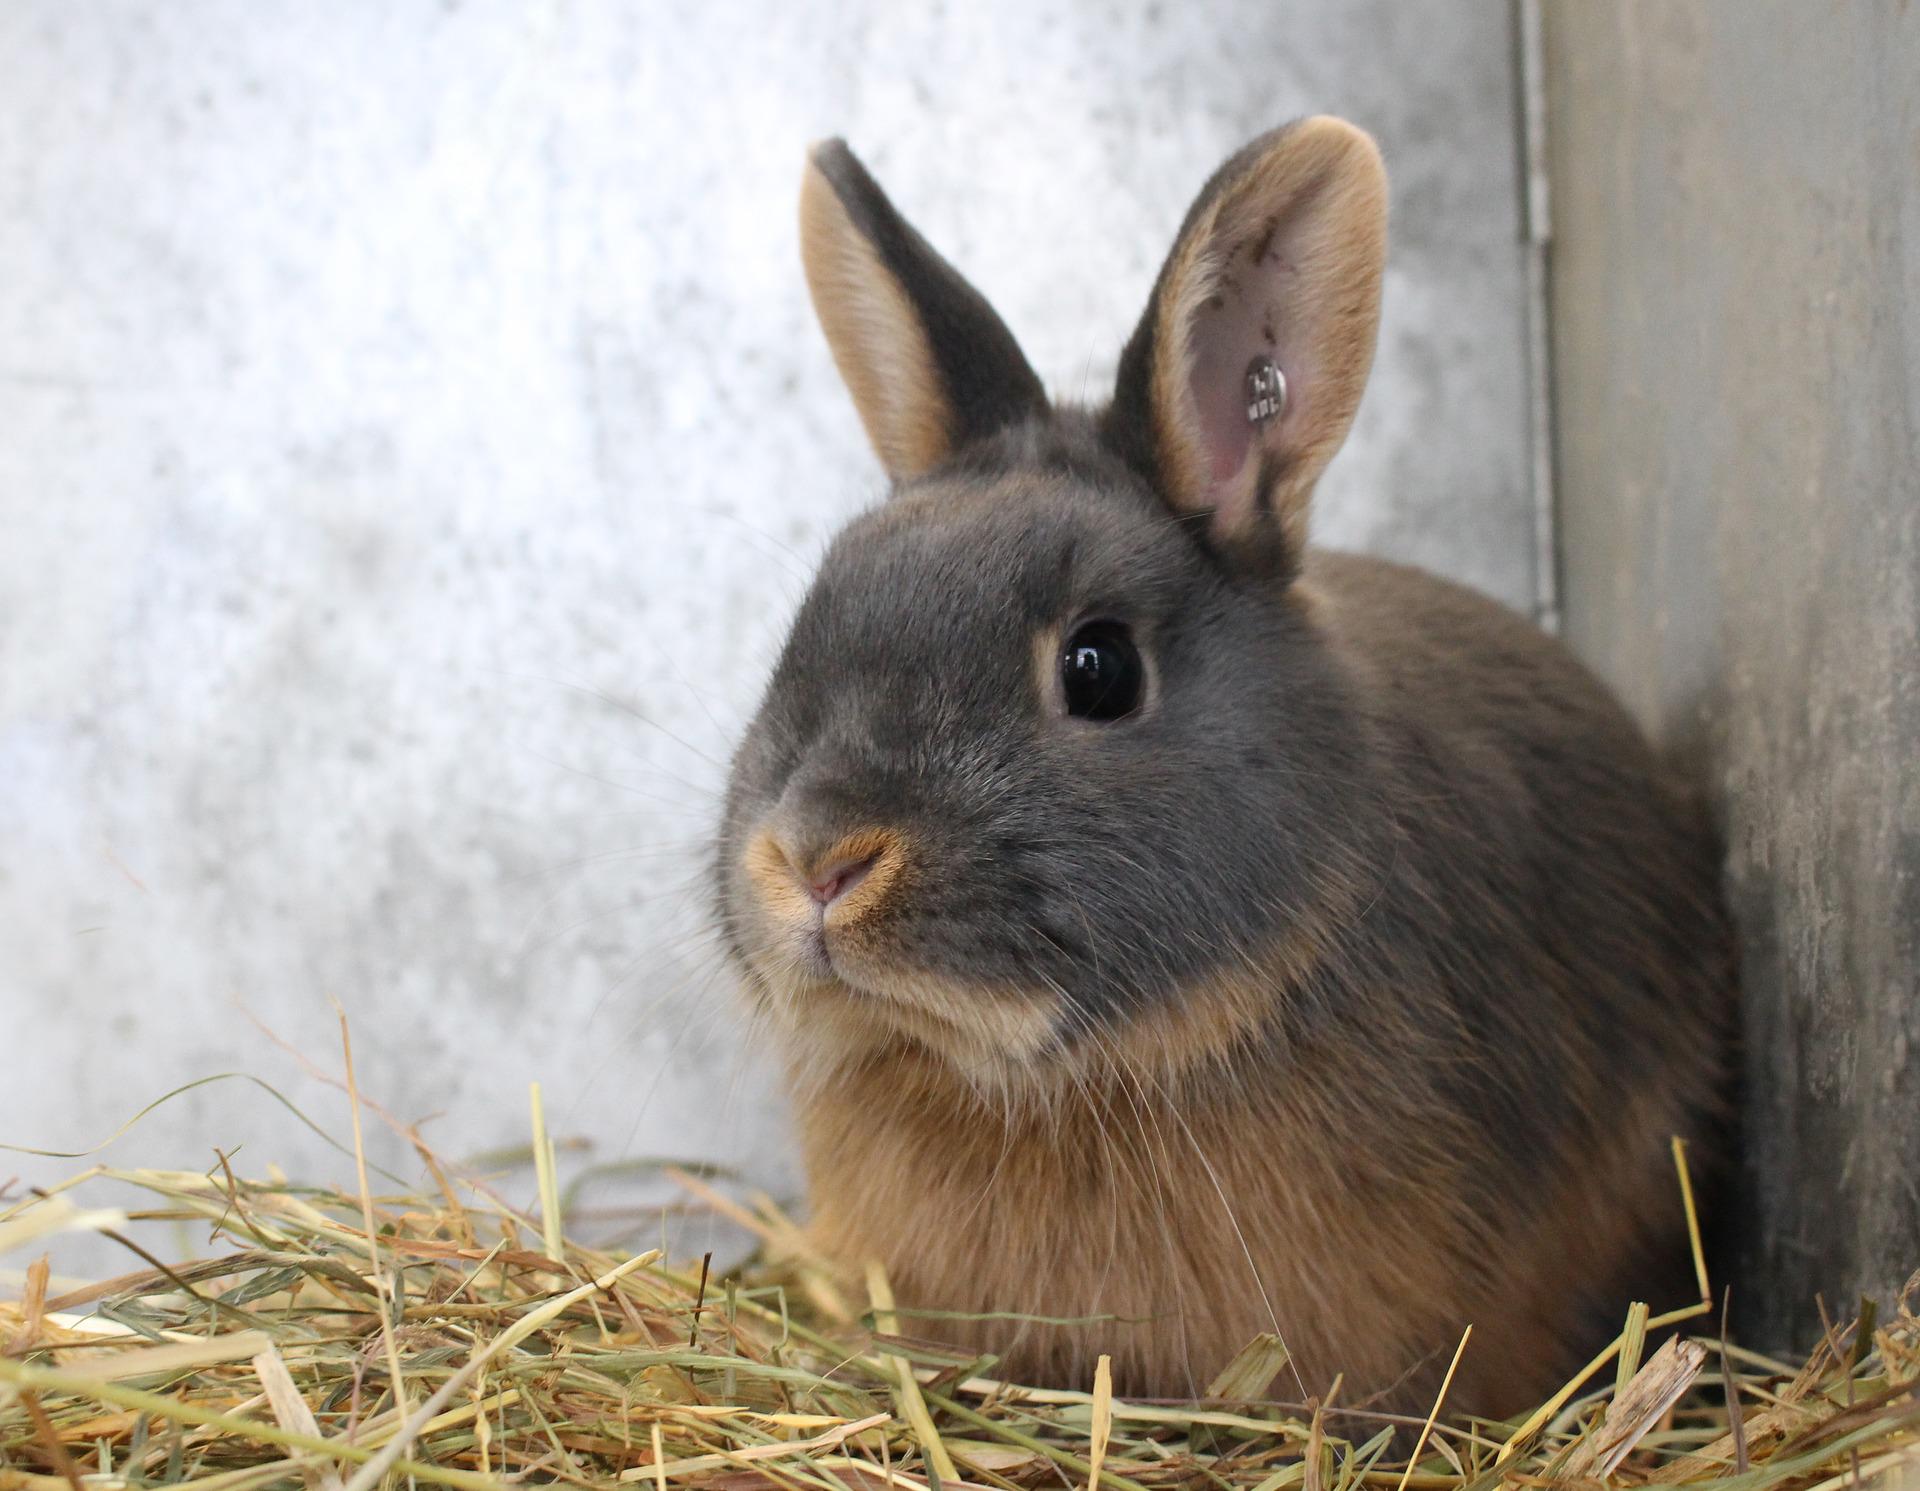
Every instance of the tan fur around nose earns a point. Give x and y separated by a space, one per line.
776 880
781 877
887 852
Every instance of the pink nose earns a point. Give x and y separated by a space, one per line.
833 880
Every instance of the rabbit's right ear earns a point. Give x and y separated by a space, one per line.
929 364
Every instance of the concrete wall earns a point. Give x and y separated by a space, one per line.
413 436
1736 342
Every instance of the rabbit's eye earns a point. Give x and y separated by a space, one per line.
1101 673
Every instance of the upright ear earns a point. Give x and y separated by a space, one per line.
929 364
1244 374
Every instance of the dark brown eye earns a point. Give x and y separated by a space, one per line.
1101 672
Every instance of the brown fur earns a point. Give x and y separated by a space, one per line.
1201 1216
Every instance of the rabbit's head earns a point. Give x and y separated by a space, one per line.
1056 754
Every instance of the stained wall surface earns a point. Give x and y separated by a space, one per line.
1736 343
413 438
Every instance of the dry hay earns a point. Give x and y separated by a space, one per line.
338 1342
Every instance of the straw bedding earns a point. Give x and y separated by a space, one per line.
332 1341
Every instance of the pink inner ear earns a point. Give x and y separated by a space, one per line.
1238 324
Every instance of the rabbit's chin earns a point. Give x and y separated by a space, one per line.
834 1022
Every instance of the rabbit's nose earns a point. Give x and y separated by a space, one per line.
824 874
834 870
833 877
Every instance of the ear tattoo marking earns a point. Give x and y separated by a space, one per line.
1266 392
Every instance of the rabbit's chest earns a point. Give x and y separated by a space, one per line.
1163 1238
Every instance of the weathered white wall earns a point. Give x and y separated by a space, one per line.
413 436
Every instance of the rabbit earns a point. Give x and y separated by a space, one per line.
1181 932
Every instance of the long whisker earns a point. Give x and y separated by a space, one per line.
1233 1220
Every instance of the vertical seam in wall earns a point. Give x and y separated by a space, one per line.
1536 229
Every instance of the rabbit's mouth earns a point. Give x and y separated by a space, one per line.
838 999
827 932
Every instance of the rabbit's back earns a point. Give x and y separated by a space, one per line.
1555 883
1545 868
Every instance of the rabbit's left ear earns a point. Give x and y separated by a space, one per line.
1244 374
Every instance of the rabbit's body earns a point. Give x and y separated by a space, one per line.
1171 923
1370 1143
